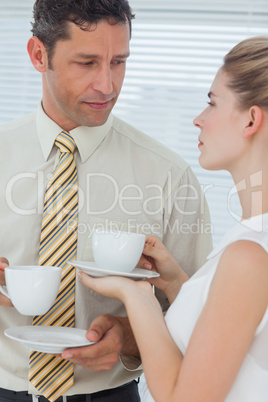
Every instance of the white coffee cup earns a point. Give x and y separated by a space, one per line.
32 289
116 250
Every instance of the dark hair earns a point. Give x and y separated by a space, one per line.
51 17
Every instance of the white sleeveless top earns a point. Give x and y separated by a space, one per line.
251 383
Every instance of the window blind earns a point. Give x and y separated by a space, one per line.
176 50
20 84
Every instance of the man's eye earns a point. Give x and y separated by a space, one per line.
118 62
85 63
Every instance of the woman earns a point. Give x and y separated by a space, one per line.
213 343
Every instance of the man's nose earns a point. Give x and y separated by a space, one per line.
103 80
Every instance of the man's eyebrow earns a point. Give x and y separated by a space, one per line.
123 56
95 56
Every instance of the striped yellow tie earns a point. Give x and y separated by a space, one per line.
51 375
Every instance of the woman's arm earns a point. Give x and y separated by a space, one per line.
158 352
222 336
237 301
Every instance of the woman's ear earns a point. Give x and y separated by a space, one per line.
38 54
255 118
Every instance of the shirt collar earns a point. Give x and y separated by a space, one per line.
243 231
87 139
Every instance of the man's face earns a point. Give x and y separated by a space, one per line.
86 76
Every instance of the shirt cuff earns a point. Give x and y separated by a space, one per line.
131 363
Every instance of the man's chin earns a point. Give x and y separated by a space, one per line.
94 120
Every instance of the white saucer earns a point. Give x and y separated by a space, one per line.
48 339
91 269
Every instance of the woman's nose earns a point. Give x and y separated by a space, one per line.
196 121
199 120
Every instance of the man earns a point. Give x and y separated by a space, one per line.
126 181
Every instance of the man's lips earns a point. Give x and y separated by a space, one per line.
98 105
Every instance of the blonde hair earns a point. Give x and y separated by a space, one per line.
246 66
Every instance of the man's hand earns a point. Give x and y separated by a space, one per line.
4 301
112 335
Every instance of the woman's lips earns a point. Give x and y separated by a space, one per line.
200 143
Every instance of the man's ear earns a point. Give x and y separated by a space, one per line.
255 119
38 54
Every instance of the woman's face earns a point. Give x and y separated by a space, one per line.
222 123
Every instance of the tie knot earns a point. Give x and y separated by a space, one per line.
65 142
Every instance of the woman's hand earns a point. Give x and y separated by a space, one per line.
116 287
157 257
